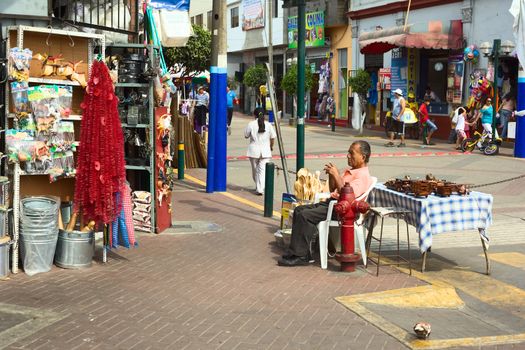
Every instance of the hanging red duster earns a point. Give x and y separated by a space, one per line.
100 166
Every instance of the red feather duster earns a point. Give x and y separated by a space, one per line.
100 169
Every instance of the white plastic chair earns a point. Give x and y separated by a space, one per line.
324 226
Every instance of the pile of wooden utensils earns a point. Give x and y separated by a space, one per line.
308 184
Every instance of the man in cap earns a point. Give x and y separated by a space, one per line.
397 122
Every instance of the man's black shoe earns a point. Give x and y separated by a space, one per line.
294 261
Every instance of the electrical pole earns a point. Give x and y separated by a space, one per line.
301 53
270 38
217 137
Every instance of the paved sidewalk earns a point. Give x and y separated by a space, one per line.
202 291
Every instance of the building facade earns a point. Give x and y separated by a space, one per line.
423 47
248 41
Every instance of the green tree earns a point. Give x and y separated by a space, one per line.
255 76
193 58
289 83
360 83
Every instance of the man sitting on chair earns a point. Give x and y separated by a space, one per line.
306 217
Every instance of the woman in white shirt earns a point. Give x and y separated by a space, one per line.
262 136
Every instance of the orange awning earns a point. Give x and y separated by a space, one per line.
429 35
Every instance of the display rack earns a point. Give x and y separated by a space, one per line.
148 128
74 46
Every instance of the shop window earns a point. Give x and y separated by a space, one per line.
210 24
437 77
234 17
198 20
342 82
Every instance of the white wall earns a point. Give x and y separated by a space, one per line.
356 5
239 40
490 20
443 13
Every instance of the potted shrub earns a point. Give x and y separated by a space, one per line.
289 85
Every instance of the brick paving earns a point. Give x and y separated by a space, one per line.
204 291
219 290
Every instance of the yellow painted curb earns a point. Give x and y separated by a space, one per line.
511 258
232 196
441 293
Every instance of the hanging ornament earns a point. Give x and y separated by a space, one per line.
100 170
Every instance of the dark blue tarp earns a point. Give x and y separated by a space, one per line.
171 5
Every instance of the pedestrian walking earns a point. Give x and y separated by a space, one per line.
486 117
261 135
459 119
202 100
426 122
508 105
398 126
231 97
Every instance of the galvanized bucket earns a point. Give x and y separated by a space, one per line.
4 259
75 249
37 254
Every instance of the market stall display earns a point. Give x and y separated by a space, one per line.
43 105
308 185
424 188
435 214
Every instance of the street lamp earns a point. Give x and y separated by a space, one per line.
494 51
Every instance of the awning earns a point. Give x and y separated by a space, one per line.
428 35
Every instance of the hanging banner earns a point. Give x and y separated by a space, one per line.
170 5
314 36
385 77
412 63
252 14
399 70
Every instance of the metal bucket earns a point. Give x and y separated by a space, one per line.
4 259
75 249
37 252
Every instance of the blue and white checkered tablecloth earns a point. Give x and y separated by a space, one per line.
434 214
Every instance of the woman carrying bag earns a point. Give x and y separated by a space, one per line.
262 136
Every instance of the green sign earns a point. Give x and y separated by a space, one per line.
314 30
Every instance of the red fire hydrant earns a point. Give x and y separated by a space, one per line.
347 208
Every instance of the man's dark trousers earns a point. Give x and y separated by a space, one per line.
304 227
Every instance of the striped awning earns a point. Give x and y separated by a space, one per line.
428 35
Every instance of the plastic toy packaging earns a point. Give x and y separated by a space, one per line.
19 61
20 100
65 98
20 146
45 106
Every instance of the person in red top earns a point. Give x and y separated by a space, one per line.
306 217
426 122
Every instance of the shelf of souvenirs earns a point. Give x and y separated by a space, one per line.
53 81
138 126
72 117
24 173
132 85
137 167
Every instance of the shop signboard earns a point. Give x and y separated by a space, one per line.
314 30
385 76
399 70
252 14
455 72
412 62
